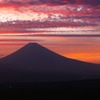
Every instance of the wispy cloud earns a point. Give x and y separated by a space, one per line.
82 14
23 16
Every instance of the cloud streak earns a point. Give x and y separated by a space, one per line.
92 2
66 14
22 16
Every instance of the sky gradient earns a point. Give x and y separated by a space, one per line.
68 27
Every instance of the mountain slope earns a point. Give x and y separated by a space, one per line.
34 62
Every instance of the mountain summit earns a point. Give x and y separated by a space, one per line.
34 62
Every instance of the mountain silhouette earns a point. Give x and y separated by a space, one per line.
35 63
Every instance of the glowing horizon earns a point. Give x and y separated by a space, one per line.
81 48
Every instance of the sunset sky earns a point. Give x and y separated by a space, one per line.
68 27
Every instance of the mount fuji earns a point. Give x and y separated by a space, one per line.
35 63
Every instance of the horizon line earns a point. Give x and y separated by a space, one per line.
63 35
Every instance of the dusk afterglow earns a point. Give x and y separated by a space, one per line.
73 25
